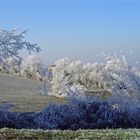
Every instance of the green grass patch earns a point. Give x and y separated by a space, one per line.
117 134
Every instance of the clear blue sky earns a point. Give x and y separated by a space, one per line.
77 29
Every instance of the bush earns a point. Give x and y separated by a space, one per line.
76 78
78 114
32 67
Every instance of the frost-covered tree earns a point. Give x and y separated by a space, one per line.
32 67
102 80
11 43
71 77
12 65
67 73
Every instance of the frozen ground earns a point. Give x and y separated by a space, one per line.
23 94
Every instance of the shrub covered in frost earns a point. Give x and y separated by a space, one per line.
11 65
114 76
31 67
77 114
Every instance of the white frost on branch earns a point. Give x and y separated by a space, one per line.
11 43
114 76
32 67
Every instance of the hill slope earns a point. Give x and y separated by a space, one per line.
23 94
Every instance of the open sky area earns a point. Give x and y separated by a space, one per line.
77 29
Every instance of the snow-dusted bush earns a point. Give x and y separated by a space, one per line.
103 80
12 65
32 67
77 114
65 74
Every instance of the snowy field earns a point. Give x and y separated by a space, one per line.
23 94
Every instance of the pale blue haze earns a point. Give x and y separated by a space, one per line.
77 29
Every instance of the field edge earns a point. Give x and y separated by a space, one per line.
105 134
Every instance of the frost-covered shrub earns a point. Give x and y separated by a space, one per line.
12 65
109 78
26 120
77 114
32 67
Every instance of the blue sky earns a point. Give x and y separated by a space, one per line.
77 29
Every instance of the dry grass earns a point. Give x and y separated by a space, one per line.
23 94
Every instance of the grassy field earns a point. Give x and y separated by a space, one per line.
23 94
119 134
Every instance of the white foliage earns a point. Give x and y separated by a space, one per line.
65 73
13 66
114 76
11 43
31 67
